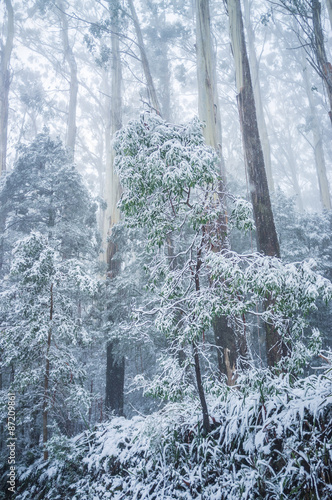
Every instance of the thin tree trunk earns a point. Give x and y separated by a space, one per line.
145 63
165 84
46 379
254 68
206 423
5 80
267 240
200 388
324 191
114 368
72 107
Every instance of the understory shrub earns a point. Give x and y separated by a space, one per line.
270 439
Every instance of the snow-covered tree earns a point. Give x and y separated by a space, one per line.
50 244
45 193
41 331
170 187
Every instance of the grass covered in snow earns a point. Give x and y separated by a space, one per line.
270 438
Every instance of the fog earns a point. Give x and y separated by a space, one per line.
165 248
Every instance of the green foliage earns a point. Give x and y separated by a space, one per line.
270 438
50 243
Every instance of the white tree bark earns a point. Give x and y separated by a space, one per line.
208 102
112 190
5 78
73 90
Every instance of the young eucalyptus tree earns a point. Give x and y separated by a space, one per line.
170 183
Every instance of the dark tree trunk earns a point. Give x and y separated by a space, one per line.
325 68
267 240
115 370
206 423
227 349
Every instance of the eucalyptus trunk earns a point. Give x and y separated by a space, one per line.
145 63
115 367
73 82
254 68
324 191
324 66
209 114
267 240
5 81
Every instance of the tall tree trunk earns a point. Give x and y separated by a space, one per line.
145 63
267 240
5 79
254 68
209 113
73 91
114 367
208 102
325 196
325 68
46 379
